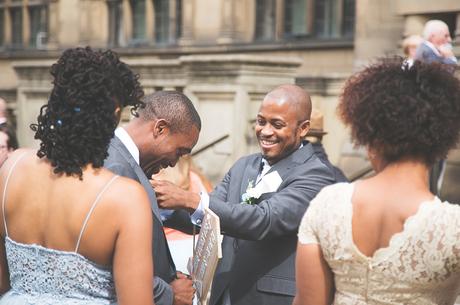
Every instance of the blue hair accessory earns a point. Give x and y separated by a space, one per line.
77 109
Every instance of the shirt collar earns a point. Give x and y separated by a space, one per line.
266 167
432 47
126 139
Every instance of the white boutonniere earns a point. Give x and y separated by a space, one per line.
269 183
251 195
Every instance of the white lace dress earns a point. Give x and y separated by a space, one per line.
420 266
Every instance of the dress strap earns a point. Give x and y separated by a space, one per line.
6 186
96 201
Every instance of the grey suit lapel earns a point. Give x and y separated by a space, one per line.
298 157
142 178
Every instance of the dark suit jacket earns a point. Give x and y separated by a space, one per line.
425 54
122 163
318 148
260 243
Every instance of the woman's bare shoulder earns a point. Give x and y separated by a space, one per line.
129 194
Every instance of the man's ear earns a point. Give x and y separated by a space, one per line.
160 128
304 128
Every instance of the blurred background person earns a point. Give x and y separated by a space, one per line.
410 45
390 227
315 136
436 46
72 231
8 142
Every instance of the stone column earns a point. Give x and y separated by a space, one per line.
227 32
279 19
94 22
374 39
188 7
413 24
8 30
53 26
69 23
149 21
25 24
127 26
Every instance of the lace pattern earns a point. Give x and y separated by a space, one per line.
39 275
421 264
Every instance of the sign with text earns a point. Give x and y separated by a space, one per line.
206 255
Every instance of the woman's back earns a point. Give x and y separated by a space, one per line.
61 232
419 264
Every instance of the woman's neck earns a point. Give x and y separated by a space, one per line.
408 173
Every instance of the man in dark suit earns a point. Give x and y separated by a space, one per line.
260 203
437 45
165 129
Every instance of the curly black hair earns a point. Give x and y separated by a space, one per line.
402 111
77 123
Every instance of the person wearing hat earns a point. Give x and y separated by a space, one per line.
315 136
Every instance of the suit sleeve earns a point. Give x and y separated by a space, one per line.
277 215
162 291
119 169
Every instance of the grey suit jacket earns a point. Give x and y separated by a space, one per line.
425 54
122 163
260 240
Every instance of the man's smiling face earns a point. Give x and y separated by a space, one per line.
278 129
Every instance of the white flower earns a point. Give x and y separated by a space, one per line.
253 192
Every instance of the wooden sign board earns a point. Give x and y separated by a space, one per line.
206 255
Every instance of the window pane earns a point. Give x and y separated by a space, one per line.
2 26
161 20
326 18
138 7
115 22
16 26
265 20
38 25
295 18
348 27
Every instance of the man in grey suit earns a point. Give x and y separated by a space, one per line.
260 202
165 129
437 44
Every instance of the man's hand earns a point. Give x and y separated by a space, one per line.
170 196
183 290
446 50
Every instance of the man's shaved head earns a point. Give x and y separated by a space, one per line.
295 96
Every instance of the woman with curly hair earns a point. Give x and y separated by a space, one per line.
73 232
387 239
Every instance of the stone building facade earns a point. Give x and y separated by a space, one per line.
224 54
